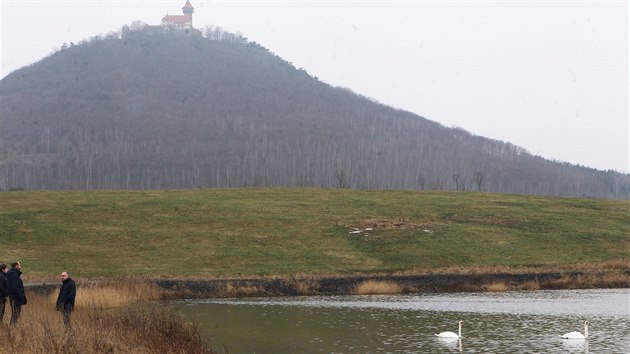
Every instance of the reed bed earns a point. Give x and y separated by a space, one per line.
595 267
305 285
572 280
496 287
373 287
115 292
499 286
231 290
109 317
590 280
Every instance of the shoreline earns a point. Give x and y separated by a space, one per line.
110 318
122 312
376 284
392 284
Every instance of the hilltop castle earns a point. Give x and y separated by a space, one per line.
179 21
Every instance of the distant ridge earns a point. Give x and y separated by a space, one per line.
156 109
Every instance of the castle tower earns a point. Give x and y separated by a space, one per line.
188 11
180 21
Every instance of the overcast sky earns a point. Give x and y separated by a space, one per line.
550 76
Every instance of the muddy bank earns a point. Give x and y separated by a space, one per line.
403 283
379 284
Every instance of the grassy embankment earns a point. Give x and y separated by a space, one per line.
102 323
232 233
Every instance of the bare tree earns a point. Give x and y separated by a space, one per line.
479 178
342 179
457 179
422 181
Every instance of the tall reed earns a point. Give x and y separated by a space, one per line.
108 318
373 287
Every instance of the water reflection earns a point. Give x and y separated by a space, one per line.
453 344
405 324
575 346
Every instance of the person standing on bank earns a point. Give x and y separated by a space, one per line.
4 290
16 291
65 300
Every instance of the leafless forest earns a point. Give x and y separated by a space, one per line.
148 109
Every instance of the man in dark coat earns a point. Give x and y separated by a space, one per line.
16 291
65 300
4 290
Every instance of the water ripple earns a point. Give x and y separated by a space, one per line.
512 322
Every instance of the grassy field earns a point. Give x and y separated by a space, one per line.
283 232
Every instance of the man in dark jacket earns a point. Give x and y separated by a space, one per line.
4 290
16 291
65 300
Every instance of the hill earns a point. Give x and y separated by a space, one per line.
149 109
259 232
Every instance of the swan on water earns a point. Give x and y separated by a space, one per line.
449 334
577 335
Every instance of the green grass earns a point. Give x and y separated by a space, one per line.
258 232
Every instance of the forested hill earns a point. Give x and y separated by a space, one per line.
148 109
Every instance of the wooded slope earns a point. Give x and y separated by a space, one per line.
149 109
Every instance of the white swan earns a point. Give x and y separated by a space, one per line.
577 335
449 334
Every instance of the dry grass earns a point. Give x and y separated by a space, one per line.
615 280
373 287
595 280
590 280
615 264
231 290
611 265
106 320
496 287
529 285
306 287
115 292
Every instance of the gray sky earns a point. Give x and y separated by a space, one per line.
550 76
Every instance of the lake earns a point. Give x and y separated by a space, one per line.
508 322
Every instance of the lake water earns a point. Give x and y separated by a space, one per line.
509 322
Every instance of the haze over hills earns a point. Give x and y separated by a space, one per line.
155 109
